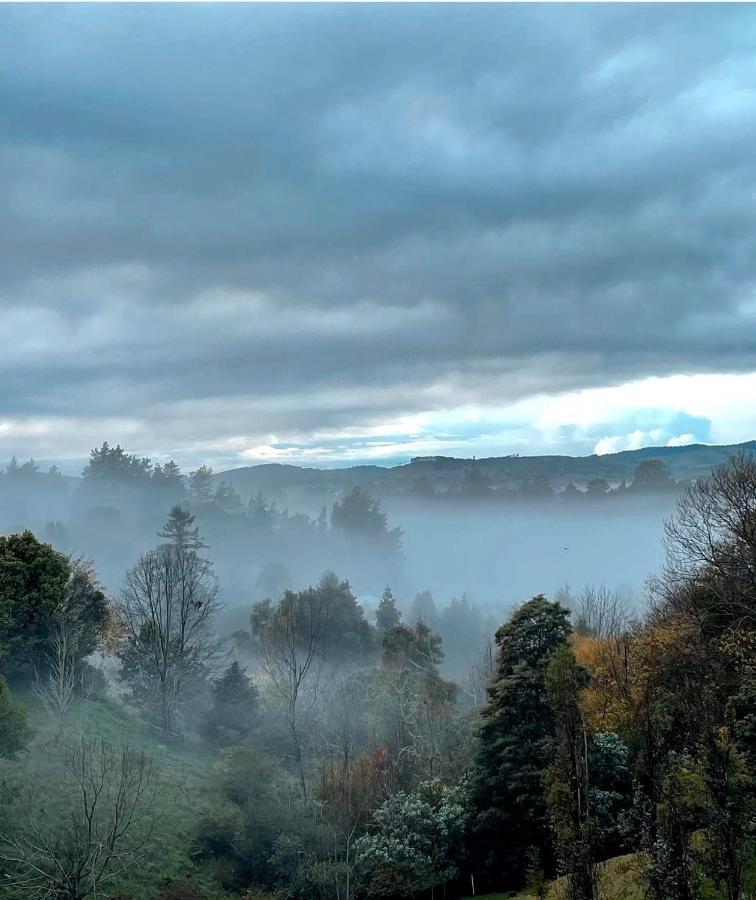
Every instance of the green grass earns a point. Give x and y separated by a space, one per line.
185 787
619 881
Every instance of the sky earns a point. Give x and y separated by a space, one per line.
341 234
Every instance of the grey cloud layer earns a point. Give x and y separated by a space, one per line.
227 220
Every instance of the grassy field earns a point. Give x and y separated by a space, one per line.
184 788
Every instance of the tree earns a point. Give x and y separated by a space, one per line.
113 465
413 706
103 834
387 615
33 582
346 631
600 612
416 841
515 741
597 487
651 475
56 688
358 515
711 542
423 609
201 484
234 710
181 532
349 794
168 602
291 637
14 732
567 782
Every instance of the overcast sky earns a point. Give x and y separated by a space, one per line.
357 233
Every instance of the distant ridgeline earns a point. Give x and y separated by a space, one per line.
648 471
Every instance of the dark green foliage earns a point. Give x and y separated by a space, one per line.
235 707
567 786
514 748
259 820
387 615
114 465
417 646
180 530
652 475
33 580
14 732
345 628
358 515
609 793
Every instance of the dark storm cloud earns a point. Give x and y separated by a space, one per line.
224 220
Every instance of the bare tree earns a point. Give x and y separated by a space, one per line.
56 688
601 612
482 671
103 834
78 625
168 602
345 718
290 641
711 543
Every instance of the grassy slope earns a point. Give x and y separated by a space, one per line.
184 788
618 880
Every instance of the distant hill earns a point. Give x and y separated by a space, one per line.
683 463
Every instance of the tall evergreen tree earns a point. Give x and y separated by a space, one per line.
514 744
387 616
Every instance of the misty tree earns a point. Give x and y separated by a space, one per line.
57 687
481 671
359 515
387 615
114 464
344 718
652 475
201 484
105 829
412 705
291 635
423 609
167 603
272 580
235 706
181 532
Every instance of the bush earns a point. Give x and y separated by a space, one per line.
182 890
14 732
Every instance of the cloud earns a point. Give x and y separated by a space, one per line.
225 223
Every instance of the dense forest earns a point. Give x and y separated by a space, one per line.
154 747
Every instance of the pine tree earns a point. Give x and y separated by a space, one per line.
180 530
234 709
387 615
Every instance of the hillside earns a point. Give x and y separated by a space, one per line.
684 464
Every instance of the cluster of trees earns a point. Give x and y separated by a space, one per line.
122 498
624 735
650 477
346 764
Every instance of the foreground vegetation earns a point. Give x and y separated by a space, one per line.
317 754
